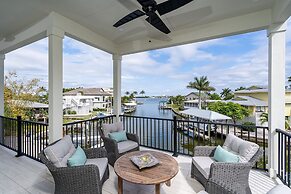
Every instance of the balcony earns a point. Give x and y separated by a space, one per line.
26 174
92 23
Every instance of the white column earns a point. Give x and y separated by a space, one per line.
2 58
55 84
276 84
117 85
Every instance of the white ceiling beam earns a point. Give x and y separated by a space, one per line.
281 11
82 34
231 26
28 36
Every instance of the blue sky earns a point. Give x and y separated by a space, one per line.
234 61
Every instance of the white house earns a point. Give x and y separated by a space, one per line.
85 100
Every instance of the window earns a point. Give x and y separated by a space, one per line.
260 109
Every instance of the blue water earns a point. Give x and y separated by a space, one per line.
150 108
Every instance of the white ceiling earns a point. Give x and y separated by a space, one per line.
99 16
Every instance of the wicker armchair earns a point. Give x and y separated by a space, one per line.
79 179
116 149
226 178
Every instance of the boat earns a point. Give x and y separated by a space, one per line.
129 107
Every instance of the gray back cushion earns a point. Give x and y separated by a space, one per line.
244 149
60 152
114 127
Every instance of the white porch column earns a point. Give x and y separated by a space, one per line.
117 85
55 73
276 84
2 58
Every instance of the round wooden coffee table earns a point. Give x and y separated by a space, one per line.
162 173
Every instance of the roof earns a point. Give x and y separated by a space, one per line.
197 101
203 95
205 114
92 22
87 92
248 101
30 104
264 90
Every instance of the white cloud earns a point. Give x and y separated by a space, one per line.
165 71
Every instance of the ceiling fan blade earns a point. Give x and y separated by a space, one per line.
129 17
156 21
171 5
146 3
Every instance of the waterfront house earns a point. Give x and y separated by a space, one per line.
257 101
85 100
91 22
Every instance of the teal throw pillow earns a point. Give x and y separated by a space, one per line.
222 155
118 136
78 158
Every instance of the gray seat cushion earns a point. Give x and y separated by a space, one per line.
244 149
60 152
114 127
125 146
280 189
100 162
203 164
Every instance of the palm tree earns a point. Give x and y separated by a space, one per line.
134 92
142 92
202 85
264 118
127 93
226 94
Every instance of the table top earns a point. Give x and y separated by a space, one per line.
165 171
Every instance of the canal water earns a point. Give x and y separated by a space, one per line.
150 108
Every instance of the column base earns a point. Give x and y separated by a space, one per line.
272 173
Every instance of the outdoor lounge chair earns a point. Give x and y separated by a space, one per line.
87 178
223 177
116 149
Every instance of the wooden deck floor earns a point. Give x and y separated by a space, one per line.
24 175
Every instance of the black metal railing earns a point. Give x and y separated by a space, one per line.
284 156
25 137
174 135
152 132
8 136
181 136
34 138
86 133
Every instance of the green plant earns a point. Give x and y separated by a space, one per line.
248 126
233 110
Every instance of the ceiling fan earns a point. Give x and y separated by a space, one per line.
149 8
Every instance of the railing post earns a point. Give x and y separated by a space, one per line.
1 130
19 146
175 154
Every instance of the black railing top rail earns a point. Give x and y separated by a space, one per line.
284 132
34 122
15 119
25 121
194 121
88 120
143 117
